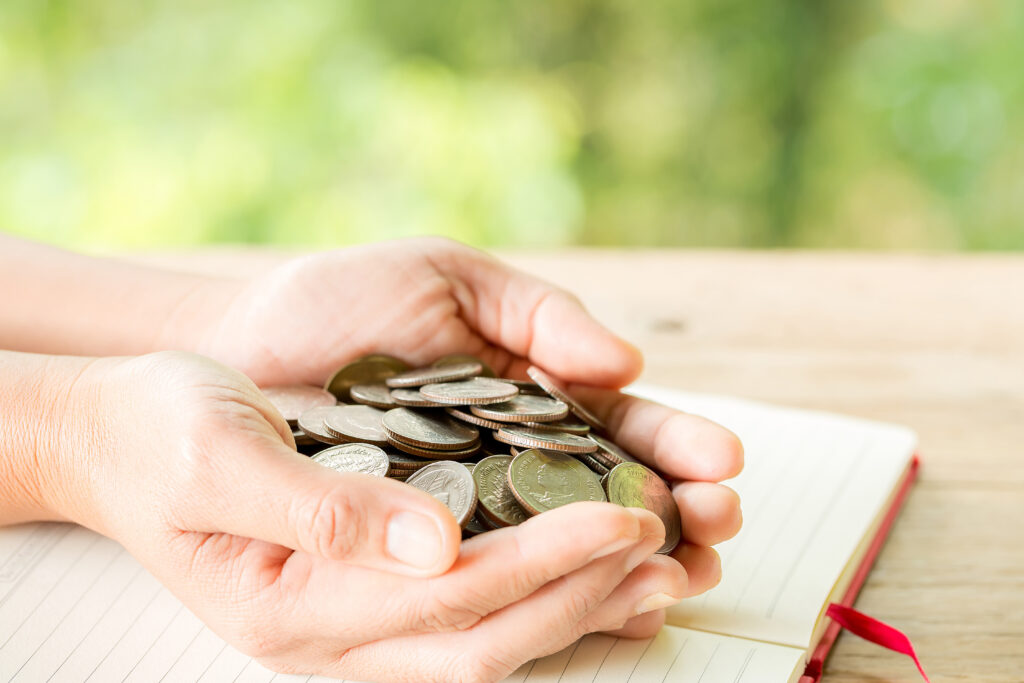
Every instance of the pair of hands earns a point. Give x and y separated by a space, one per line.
307 569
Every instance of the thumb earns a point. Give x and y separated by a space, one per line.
536 320
284 498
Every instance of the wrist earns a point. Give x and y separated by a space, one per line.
193 322
40 410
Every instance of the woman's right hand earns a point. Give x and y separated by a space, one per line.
185 463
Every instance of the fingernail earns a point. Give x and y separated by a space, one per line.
615 546
414 539
655 601
644 549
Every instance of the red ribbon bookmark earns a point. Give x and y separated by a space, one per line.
875 631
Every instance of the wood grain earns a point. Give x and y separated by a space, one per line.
934 342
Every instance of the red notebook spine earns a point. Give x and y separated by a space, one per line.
816 664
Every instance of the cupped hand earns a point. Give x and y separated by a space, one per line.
416 299
311 570
419 299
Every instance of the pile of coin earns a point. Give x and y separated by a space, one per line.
495 451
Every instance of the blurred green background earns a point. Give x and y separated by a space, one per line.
882 124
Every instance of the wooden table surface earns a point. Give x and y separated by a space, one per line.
933 342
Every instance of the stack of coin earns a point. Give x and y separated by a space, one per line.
495 451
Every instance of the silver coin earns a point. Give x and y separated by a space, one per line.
472 419
376 395
523 408
557 390
292 401
497 502
475 391
609 453
444 373
543 480
432 431
357 423
452 484
412 398
312 423
354 457
536 438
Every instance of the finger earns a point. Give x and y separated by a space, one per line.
282 497
703 567
534 319
644 626
710 512
493 570
681 445
655 585
541 624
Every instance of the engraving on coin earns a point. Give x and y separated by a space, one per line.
435 431
523 408
632 485
460 358
536 438
452 484
477 390
496 499
376 395
543 480
354 457
445 373
366 370
357 423
294 400
555 388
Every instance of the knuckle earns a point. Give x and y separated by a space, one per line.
475 666
581 598
334 526
441 614
259 640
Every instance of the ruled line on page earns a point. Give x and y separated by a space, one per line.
840 486
75 604
92 628
49 592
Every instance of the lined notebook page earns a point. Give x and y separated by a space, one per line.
813 485
675 654
74 606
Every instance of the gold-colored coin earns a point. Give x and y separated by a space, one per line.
633 485
366 370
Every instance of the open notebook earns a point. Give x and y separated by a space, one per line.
818 491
